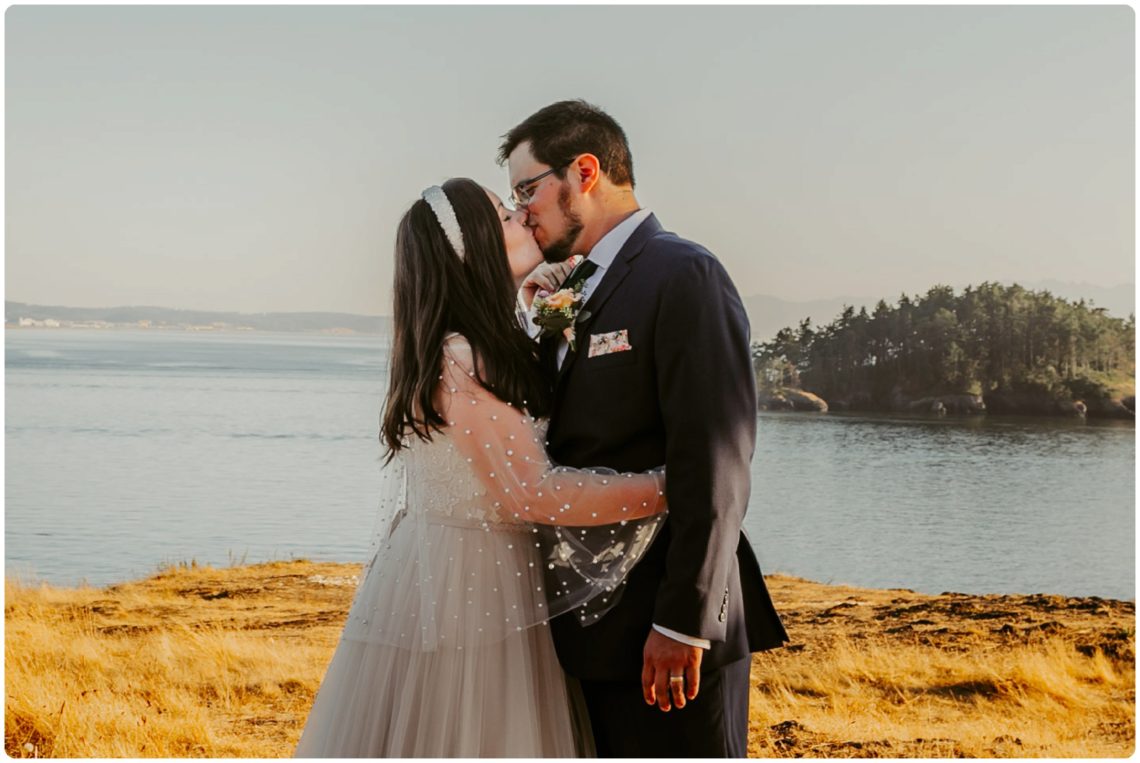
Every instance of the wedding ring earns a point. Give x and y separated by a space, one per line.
676 679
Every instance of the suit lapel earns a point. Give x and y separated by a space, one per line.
614 275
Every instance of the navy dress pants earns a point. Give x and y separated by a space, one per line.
714 725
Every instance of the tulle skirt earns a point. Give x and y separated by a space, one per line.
470 696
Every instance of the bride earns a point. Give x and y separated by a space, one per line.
446 652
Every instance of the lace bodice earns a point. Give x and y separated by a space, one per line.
441 482
443 486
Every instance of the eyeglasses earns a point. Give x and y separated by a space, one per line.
523 191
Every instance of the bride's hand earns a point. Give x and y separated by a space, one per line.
546 277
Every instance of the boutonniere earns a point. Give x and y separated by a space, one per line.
559 312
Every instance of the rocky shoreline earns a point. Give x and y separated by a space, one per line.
997 403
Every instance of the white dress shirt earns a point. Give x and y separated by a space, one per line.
603 255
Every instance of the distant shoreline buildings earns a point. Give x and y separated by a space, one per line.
54 323
20 315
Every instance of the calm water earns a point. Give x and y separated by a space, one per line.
125 450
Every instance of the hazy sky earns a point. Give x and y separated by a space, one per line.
258 158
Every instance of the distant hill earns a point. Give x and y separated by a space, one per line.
766 313
167 317
1119 301
769 314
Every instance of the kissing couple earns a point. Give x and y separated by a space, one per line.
558 564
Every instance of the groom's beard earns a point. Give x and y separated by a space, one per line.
562 249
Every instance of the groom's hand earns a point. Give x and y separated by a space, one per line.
663 658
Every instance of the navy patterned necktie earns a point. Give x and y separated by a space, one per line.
580 274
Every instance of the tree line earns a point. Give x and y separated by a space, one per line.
987 339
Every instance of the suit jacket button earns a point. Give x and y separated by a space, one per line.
722 617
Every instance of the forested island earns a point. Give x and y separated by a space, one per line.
991 348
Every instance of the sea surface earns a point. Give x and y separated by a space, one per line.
129 450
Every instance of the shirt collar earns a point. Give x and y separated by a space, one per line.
610 244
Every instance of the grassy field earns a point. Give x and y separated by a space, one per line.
203 662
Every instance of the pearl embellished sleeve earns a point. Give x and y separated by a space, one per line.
506 449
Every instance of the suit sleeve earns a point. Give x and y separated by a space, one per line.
707 394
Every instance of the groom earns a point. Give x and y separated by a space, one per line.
661 373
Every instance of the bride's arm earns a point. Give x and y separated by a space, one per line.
506 450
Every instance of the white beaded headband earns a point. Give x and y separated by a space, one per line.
445 213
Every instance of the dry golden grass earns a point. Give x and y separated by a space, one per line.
191 662
203 662
899 674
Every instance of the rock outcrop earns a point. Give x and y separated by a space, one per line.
1041 404
788 399
944 404
1106 408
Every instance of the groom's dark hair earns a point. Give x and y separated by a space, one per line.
561 131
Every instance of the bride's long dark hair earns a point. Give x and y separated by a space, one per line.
435 293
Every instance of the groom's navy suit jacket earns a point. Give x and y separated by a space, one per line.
683 396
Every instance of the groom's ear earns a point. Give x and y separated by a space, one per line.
586 171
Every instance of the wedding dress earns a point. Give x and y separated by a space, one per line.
446 652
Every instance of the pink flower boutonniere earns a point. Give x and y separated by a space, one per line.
557 313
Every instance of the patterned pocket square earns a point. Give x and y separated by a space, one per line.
604 344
